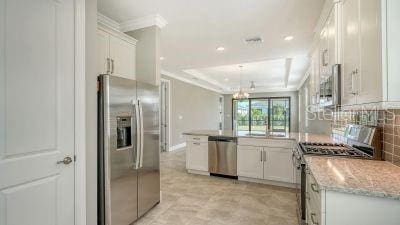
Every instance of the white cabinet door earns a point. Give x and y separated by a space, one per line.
197 156
36 112
278 165
250 161
369 77
122 56
315 77
350 50
103 52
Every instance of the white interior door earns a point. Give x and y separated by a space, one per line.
36 112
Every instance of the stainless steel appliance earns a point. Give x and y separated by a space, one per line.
330 88
128 153
362 142
222 155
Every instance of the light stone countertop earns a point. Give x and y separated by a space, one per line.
296 136
356 176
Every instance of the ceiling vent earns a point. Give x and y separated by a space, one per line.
253 40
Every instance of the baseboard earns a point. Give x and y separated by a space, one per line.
177 147
269 182
198 172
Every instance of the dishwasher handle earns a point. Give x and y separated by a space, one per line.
222 139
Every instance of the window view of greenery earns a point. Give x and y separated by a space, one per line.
241 109
256 114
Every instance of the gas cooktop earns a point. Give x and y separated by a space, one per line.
332 149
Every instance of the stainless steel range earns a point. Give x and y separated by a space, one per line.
333 149
361 142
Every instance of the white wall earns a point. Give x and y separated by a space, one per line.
192 108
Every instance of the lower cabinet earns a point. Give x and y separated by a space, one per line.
329 207
197 156
250 161
268 163
278 165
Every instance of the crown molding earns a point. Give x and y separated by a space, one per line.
177 77
201 76
147 21
305 76
108 22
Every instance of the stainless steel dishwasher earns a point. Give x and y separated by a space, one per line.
222 154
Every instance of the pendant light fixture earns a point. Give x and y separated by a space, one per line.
241 94
252 86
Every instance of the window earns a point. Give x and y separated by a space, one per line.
258 114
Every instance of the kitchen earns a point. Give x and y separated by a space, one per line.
209 112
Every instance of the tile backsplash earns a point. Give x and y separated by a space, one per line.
387 120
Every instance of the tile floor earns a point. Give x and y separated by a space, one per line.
202 200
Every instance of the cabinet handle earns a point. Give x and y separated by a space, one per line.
265 156
261 156
353 92
112 66
196 143
196 138
314 188
108 65
324 63
313 220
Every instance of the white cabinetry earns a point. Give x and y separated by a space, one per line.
361 52
250 161
269 160
326 207
197 153
278 164
323 56
116 54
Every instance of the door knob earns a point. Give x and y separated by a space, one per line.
67 160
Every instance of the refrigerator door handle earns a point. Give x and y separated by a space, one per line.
137 121
141 132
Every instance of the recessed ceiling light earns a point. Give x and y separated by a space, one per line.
162 58
226 79
288 38
220 48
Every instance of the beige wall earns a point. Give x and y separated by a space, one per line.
91 112
294 109
318 125
192 107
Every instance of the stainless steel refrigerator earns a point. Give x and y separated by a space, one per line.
128 155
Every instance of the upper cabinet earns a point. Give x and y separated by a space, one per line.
361 52
116 53
323 56
362 36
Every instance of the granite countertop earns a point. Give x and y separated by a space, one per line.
356 176
296 136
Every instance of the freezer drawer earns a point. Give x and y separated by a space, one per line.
222 155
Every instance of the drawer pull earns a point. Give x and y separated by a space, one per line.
196 143
313 220
314 188
196 138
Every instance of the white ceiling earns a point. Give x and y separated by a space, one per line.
196 27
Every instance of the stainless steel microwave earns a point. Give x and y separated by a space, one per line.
330 88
